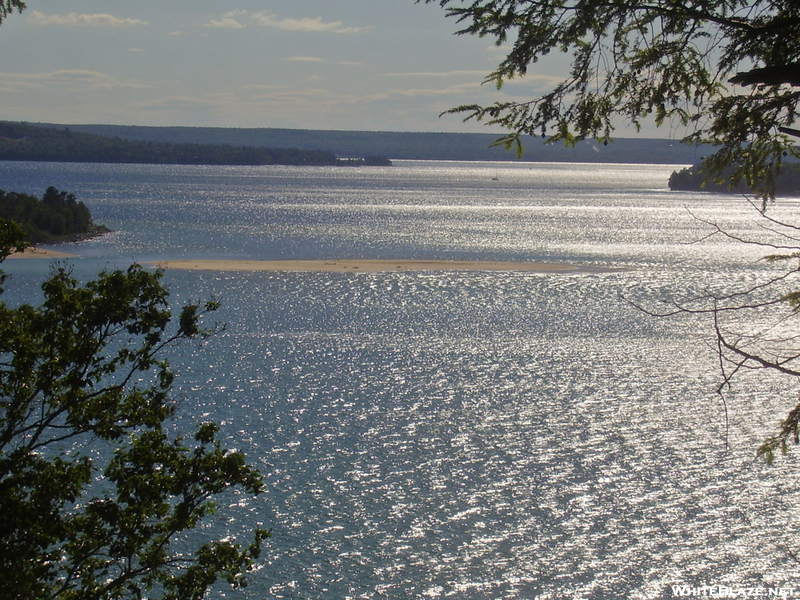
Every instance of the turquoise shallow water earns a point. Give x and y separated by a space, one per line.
465 435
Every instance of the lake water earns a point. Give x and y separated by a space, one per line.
469 435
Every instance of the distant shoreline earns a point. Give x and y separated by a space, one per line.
39 143
406 145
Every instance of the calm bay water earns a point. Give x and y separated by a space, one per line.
467 435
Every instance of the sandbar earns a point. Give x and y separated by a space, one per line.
369 266
32 252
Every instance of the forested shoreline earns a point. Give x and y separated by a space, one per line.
407 145
56 217
23 142
693 179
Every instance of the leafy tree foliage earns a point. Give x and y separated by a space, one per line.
730 69
97 497
12 239
7 7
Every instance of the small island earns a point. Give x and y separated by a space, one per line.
57 217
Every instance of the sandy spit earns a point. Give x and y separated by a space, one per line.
366 266
32 252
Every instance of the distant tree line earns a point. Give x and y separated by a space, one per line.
692 179
20 141
57 216
409 145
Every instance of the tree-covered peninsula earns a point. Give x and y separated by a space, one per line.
24 142
694 179
56 217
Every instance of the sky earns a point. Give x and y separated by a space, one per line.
366 65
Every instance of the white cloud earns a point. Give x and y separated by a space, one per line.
265 87
238 19
306 59
178 102
532 82
328 97
265 19
437 74
226 22
453 90
74 19
81 78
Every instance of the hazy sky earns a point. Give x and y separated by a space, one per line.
389 65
